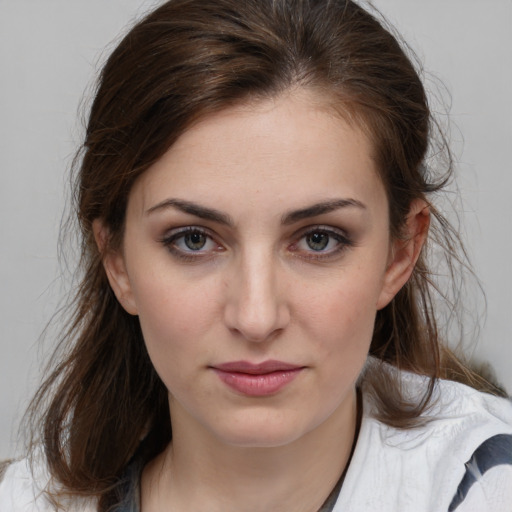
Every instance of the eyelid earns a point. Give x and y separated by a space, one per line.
172 234
169 238
340 235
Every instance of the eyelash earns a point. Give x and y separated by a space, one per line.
170 241
342 239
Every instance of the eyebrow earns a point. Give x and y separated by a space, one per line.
288 218
320 209
193 209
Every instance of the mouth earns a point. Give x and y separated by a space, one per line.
261 379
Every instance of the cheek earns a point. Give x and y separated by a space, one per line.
174 316
340 316
169 300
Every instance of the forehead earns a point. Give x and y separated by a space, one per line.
280 149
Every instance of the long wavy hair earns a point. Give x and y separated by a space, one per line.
103 403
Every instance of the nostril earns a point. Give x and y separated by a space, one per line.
259 322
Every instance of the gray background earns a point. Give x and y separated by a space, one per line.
51 49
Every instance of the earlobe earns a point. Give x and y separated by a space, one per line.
115 268
405 251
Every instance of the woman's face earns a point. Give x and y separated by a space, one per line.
256 254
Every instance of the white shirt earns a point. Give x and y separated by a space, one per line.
419 470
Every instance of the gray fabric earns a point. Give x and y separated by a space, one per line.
329 503
130 489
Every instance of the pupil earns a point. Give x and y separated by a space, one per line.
318 241
195 241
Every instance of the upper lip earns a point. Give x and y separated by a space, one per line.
256 368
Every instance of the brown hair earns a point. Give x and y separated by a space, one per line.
184 61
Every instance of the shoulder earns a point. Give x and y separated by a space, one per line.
458 420
423 468
21 490
465 447
455 409
23 486
460 411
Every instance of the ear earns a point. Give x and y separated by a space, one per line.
115 268
405 251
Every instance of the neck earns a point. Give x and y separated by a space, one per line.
197 471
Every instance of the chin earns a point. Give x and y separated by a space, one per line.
261 432
259 439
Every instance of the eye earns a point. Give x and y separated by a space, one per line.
194 241
318 241
190 242
321 242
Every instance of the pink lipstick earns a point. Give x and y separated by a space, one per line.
261 379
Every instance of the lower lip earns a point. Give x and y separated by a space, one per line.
260 384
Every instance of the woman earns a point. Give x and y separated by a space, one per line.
255 328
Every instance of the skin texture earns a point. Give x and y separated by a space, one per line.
258 281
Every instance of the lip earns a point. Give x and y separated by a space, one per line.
260 379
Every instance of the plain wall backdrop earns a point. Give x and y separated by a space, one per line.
51 50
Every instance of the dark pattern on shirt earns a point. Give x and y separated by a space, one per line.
493 452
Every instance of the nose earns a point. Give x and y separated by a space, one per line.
256 307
